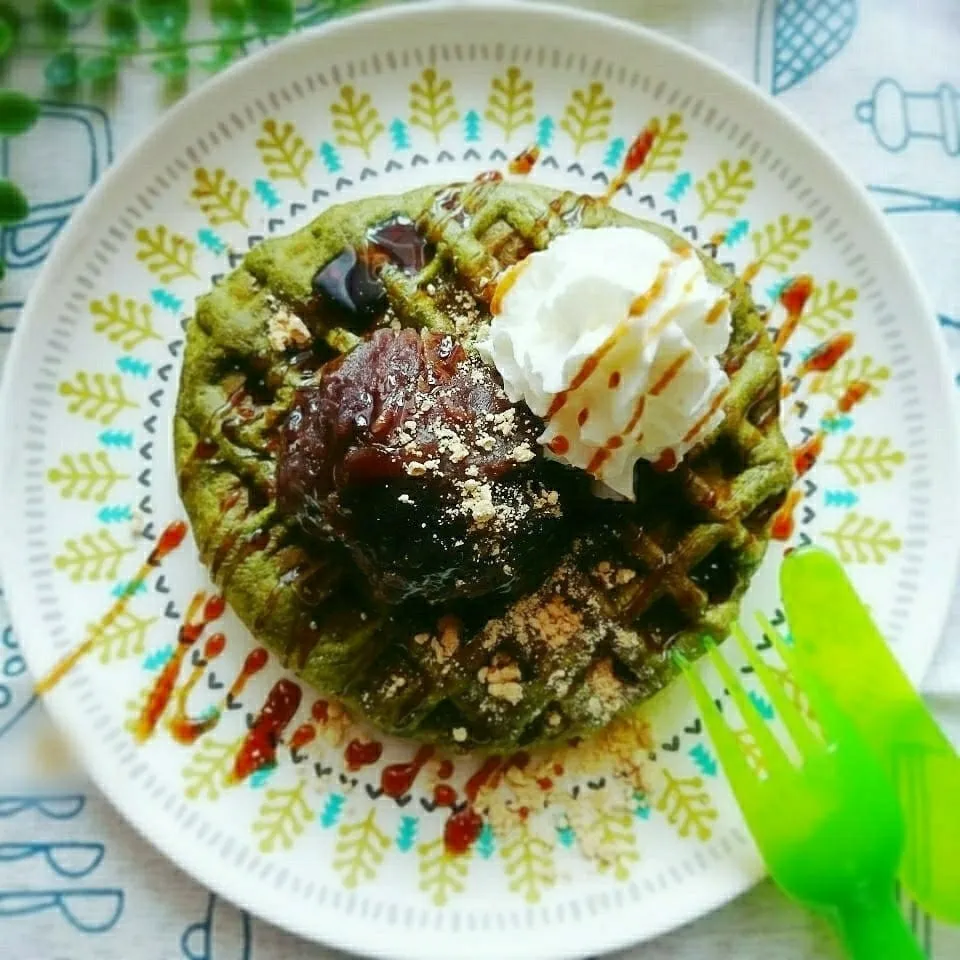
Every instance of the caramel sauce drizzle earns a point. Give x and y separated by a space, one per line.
635 158
524 161
169 540
505 284
639 305
718 401
671 373
793 297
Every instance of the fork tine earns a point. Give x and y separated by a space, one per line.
798 728
826 713
731 754
773 754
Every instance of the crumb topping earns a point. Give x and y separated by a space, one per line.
286 331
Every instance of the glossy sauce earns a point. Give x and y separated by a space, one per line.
524 161
350 282
805 455
397 779
783 524
362 753
182 728
635 158
793 298
200 613
259 747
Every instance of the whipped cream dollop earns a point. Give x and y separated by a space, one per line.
612 337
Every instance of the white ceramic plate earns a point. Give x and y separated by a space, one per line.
377 103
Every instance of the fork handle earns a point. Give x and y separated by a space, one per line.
874 929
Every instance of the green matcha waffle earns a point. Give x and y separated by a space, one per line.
587 631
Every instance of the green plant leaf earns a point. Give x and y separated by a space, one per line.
14 206
18 112
165 18
77 6
271 16
53 20
62 70
3 268
175 65
228 16
99 68
10 22
224 55
121 27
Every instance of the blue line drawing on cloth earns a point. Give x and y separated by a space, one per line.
69 859
223 934
913 201
898 116
952 323
79 130
16 690
9 314
53 806
795 38
94 910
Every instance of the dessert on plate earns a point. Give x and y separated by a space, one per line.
474 459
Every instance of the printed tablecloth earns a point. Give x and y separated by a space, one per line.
877 80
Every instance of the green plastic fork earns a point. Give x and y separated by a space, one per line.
824 814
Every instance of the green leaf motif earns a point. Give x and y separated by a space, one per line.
861 539
96 396
586 118
124 322
866 460
528 863
92 557
18 113
432 105
271 17
667 149
62 71
779 243
725 188
167 255
77 6
607 832
85 476
7 36
687 805
510 104
442 874
283 816
848 371
134 707
165 18
356 120
121 28
284 152
211 762
124 637
360 850
830 306
14 206
221 198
